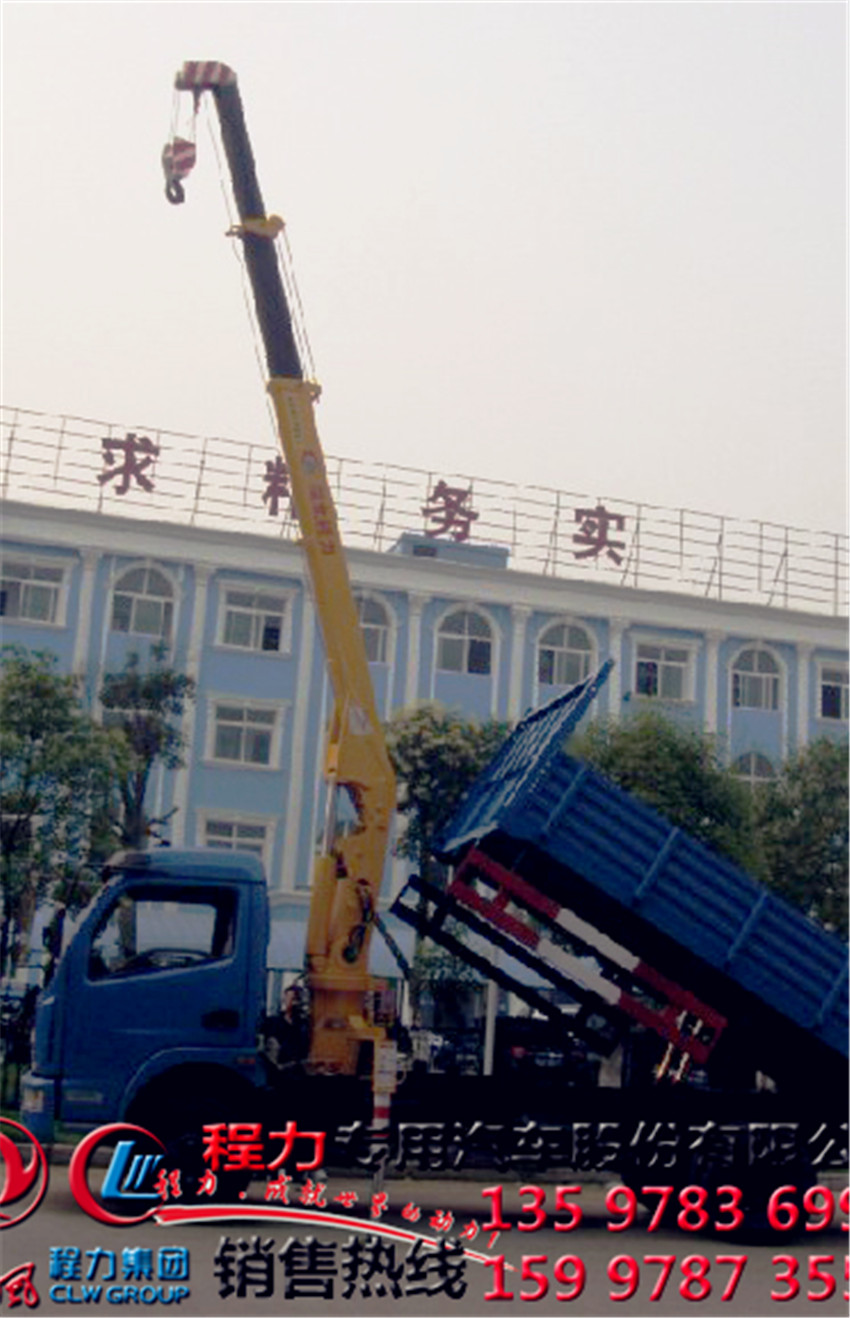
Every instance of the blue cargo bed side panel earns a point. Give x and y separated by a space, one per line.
633 855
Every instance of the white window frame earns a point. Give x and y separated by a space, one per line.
589 654
276 707
749 775
834 666
362 597
259 590
236 819
37 563
691 649
147 565
778 677
467 639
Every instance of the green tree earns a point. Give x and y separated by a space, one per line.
801 818
680 773
147 706
58 770
791 833
437 755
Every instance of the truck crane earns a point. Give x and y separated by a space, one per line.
635 936
349 866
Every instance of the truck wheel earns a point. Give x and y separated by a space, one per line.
176 1108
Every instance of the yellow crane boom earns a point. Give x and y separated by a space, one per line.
349 867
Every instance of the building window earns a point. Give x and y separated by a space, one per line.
663 672
834 693
236 835
254 620
464 644
755 680
31 591
563 655
375 625
244 734
753 769
142 603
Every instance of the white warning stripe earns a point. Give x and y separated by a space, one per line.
581 970
601 942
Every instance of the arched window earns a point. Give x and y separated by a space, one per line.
464 643
753 769
142 602
563 655
375 625
755 680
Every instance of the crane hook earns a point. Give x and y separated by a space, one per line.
178 159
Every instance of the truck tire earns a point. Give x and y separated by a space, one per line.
177 1106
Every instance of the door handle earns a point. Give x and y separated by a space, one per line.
222 1018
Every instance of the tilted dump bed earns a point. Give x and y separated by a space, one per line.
557 840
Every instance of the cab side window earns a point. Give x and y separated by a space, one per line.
148 930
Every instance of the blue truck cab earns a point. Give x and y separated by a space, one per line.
159 994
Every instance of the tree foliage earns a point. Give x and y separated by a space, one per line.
680 773
147 706
801 819
437 754
58 770
790 833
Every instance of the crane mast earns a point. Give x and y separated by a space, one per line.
348 868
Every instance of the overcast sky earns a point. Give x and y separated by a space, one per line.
594 246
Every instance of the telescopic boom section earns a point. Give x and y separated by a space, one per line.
348 871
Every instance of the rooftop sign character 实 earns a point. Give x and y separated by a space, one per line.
593 533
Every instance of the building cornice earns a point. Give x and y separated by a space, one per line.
81 530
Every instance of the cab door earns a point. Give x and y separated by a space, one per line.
162 972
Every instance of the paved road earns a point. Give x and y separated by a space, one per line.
60 1224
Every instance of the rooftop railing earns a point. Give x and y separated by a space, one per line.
150 474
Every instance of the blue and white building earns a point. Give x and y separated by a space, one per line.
735 628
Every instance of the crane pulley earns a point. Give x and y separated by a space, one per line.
179 154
